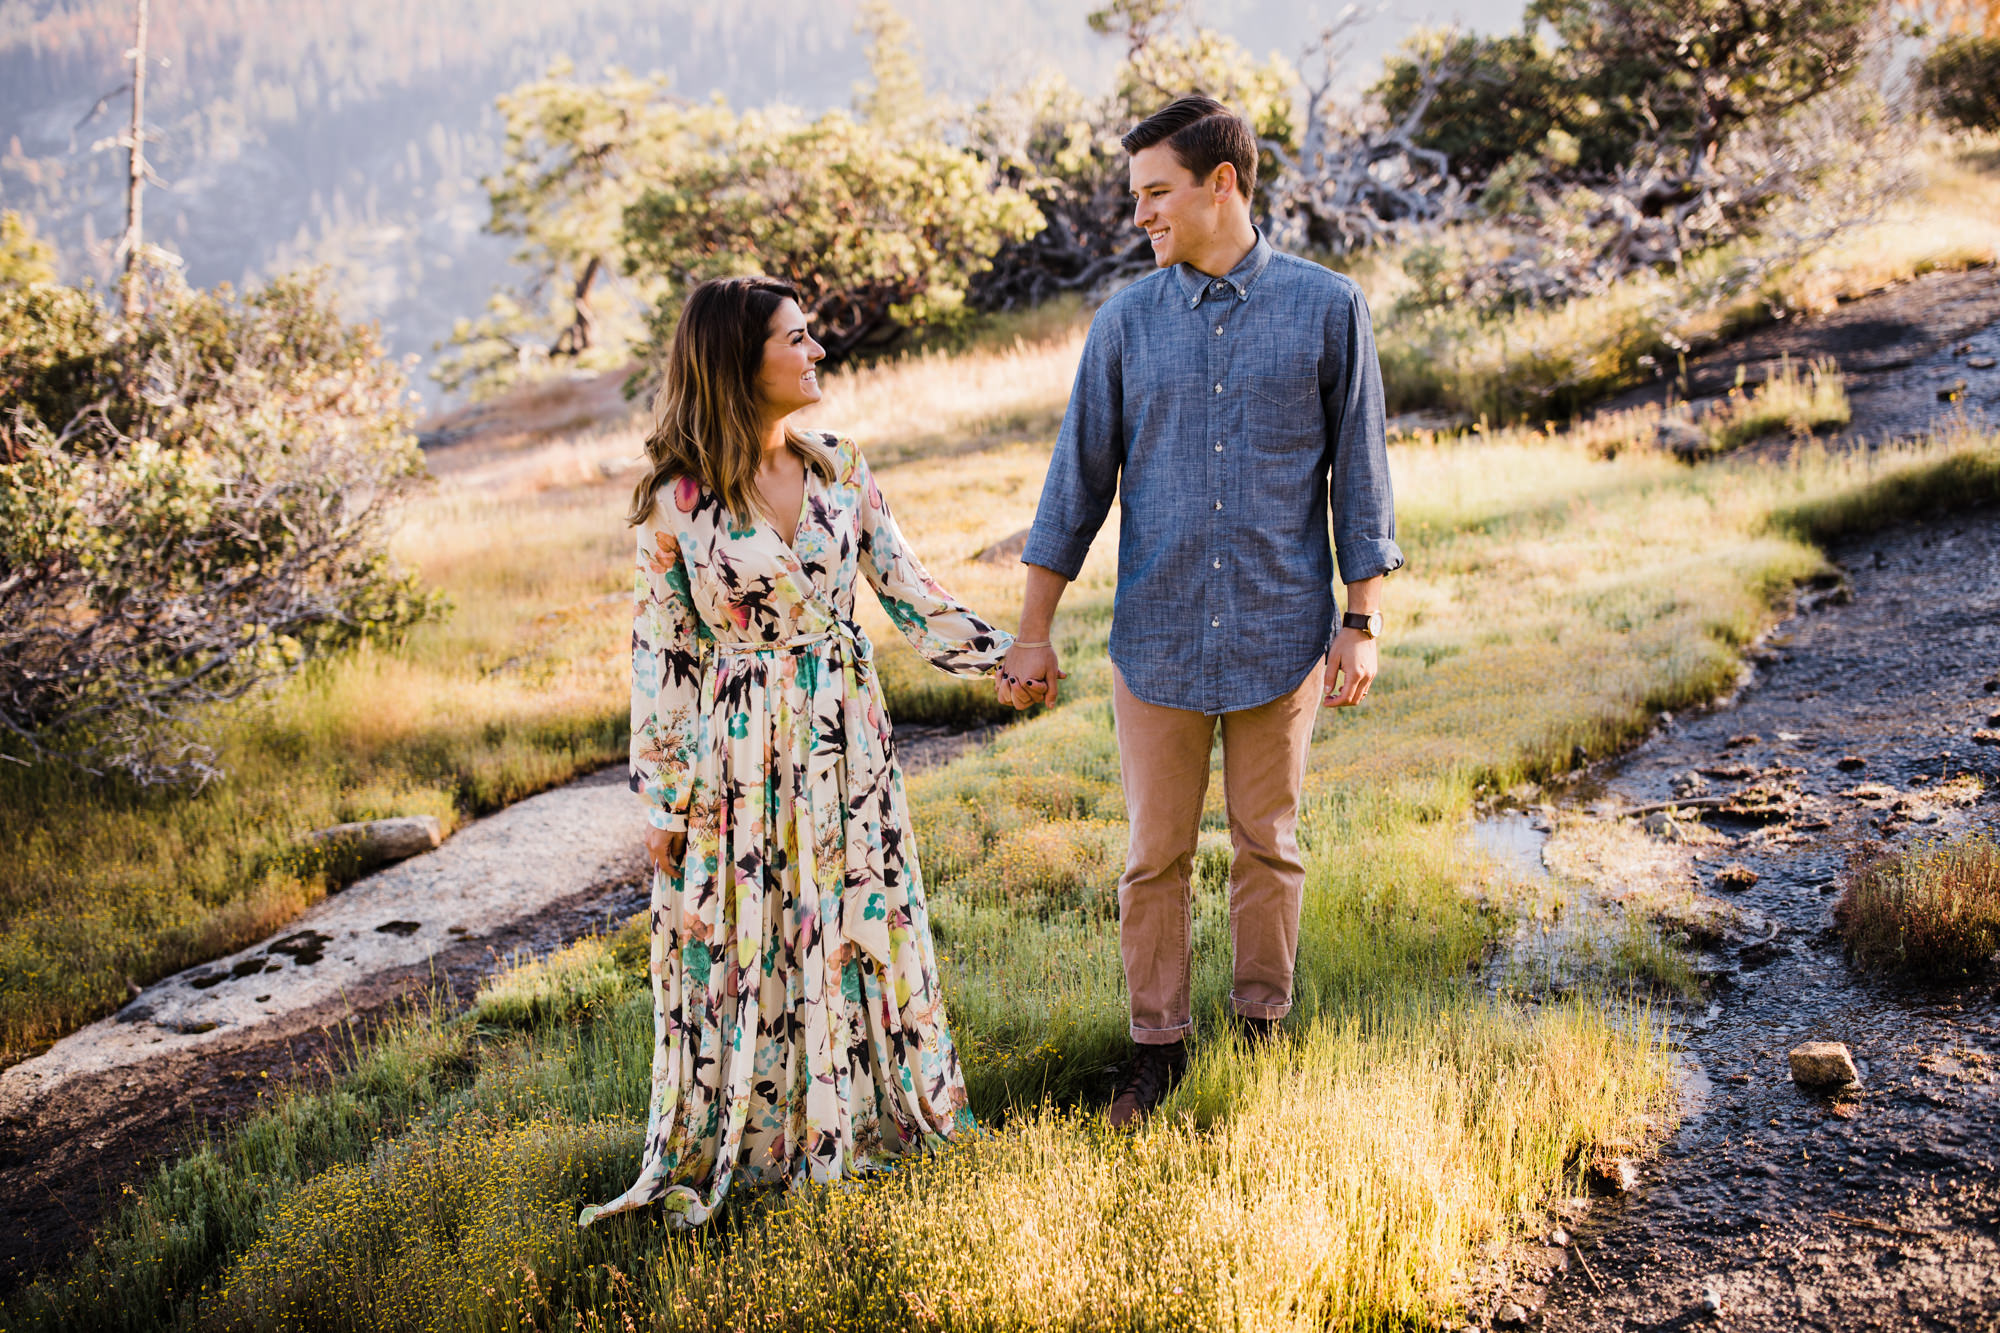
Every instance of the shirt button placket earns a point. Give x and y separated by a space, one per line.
1212 653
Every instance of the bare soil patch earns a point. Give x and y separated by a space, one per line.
1875 1206
1897 349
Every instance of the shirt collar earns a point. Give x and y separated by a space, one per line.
1196 285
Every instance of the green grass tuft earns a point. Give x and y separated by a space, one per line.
1931 912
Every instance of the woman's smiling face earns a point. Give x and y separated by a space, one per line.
787 380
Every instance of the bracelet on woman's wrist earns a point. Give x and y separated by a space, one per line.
1023 643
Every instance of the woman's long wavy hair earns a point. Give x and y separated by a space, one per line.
707 421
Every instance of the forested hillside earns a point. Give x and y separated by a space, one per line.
355 135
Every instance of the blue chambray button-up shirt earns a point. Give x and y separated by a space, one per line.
1224 414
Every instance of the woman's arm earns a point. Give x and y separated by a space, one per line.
666 681
937 624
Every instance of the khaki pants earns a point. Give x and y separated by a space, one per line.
1163 757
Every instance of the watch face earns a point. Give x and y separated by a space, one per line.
1374 624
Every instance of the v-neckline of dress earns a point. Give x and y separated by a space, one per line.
798 520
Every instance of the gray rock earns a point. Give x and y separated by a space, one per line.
1559 1237
1686 828
1823 1064
1688 784
1006 552
379 842
1511 1315
1711 1302
1735 877
1682 438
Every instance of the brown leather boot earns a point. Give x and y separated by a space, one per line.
1149 1077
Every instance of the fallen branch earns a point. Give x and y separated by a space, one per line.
1595 1284
1685 803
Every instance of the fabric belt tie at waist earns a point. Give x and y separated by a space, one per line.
842 630
868 900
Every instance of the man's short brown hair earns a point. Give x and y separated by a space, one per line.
1203 134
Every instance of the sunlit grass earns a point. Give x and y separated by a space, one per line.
1555 600
942 402
1952 221
1799 404
1562 590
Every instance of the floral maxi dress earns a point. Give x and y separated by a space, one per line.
799 1032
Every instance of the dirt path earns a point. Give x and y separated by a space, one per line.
1879 1209
1896 348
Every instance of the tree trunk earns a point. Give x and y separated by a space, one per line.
581 335
135 184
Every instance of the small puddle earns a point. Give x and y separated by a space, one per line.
1514 838
1692 1085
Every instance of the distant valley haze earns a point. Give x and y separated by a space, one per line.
354 136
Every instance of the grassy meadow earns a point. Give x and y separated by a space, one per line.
1363 1173
1366 1171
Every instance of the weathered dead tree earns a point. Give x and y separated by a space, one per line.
1795 186
1089 242
1352 185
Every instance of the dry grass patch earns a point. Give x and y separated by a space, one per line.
1952 221
1799 404
939 403
1932 912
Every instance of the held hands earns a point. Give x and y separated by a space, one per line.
1350 669
665 848
1029 676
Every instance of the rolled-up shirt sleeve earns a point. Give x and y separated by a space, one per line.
1364 507
1083 472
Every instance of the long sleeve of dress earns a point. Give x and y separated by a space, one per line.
937 624
666 680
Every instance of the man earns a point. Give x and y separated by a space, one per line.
1226 399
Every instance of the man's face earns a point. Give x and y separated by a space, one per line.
1179 213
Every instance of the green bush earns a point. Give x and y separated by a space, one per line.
1962 78
1505 95
881 231
194 500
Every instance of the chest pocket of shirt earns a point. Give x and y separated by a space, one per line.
1282 414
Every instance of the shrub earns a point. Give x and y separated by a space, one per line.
24 257
193 501
1507 93
880 230
1962 78
1932 912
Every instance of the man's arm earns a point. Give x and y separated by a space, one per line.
1031 675
1351 665
1364 508
1077 494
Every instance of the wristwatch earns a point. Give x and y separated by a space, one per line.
1370 624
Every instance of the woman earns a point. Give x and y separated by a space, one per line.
798 1028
